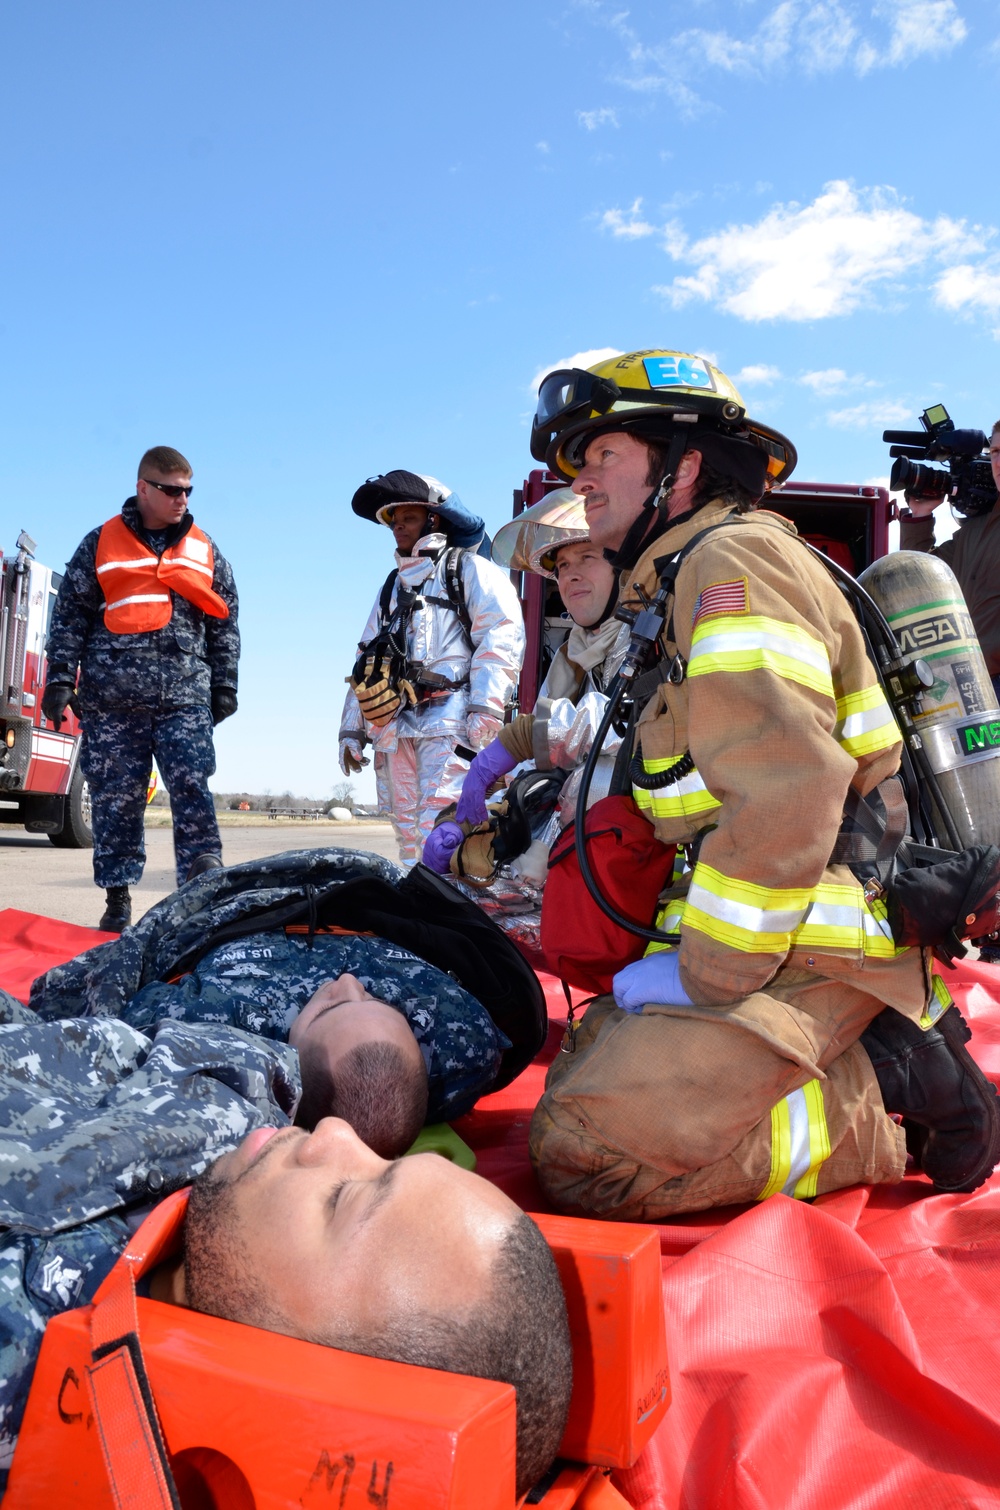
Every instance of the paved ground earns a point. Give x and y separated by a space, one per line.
37 877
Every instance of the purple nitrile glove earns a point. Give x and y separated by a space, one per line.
441 844
489 765
653 979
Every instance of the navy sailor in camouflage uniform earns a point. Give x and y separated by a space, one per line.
147 611
387 1039
406 1045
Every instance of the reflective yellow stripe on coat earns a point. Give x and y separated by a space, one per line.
772 920
800 1143
938 1003
865 723
687 798
740 643
753 642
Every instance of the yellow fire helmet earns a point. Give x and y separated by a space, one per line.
527 543
653 393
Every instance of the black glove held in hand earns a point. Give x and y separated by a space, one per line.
224 703
55 700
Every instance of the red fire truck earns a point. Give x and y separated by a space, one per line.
849 523
41 784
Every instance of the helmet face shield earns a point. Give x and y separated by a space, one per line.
559 519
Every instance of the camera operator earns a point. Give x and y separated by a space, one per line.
973 553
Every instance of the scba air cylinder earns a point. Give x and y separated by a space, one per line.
957 717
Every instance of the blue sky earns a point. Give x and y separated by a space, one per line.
310 243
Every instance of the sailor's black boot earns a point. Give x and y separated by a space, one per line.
201 863
118 912
949 1108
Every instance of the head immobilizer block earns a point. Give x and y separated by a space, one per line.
252 1420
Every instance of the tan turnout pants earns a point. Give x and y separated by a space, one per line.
681 1108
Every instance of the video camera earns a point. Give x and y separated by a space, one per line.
968 482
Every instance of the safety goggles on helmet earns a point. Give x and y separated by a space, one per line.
569 391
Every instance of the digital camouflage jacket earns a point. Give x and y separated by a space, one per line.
97 1122
261 983
162 670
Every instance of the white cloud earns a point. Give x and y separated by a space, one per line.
814 261
632 227
543 147
971 290
826 382
805 36
917 28
880 414
819 35
592 119
756 376
578 359
833 380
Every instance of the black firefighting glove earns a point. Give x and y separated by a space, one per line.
55 700
940 905
224 703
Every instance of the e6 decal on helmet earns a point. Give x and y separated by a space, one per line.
675 371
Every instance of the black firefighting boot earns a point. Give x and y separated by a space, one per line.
118 912
201 863
949 1108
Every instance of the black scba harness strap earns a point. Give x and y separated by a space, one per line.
667 569
453 586
426 916
388 647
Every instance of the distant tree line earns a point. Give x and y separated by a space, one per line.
265 802
262 802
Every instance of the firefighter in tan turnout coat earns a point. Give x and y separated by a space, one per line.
766 1052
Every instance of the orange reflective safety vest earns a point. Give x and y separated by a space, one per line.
135 581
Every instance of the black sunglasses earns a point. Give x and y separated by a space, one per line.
172 489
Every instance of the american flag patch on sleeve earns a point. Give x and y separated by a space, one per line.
721 598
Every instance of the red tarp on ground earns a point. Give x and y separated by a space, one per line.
30 945
843 1355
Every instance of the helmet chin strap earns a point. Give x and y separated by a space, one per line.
656 504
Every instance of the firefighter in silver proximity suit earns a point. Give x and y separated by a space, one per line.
456 622
553 540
